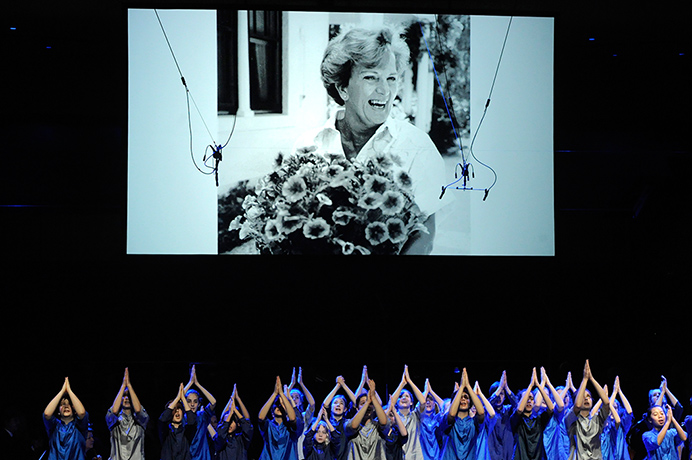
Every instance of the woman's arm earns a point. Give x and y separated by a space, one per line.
616 414
134 400
328 399
229 410
399 423
53 404
402 384
454 406
319 417
358 418
599 389
363 382
662 433
541 390
623 398
267 405
680 429
480 410
414 388
579 398
306 392
340 380
440 402
421 242
243 409
488 407
115 407
205 392
665 390
379 411
286 402
183 399
174 403
76 403
525 397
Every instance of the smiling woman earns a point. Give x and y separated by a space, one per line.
361 70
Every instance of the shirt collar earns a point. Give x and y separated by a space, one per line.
388 126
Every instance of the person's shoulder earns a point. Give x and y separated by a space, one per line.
409 131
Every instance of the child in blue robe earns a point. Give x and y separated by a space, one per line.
282 431
67 431
460 430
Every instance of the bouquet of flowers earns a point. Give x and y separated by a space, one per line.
324 204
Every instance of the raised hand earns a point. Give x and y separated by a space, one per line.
587 371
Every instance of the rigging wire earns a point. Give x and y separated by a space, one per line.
465 166
487 103
216 149
432 62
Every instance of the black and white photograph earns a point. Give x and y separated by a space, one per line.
181 185
410 162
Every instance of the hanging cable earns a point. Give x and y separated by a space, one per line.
466 168
432 62
487 104
216 148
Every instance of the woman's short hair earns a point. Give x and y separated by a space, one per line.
326 428
364 47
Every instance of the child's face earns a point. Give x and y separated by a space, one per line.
658 417
588 401
390 416
338 407
321 434
177 414
464 402
297 398
65 408
126 403
404 401
193 401
529 404
429 404
277 408
361 401
653 396
500 397
90 440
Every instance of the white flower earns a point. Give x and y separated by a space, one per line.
347 247
288 224
396 230
316 228
375 183
342 216
324 199
271 231
392 203
370 200
403 179
376 233
294 189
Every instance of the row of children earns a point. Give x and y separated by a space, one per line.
541 422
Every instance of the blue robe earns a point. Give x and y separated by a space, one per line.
66 441
430 437
459 438
199 447
280 439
